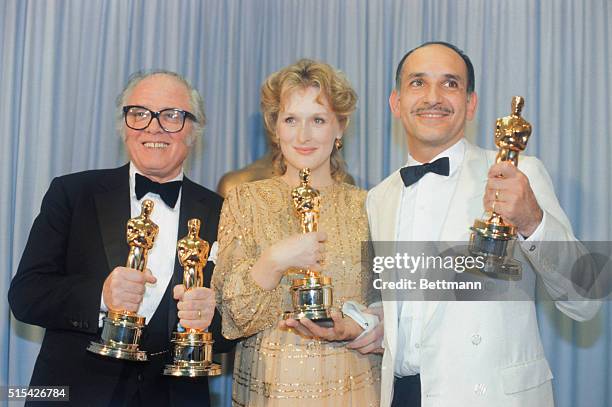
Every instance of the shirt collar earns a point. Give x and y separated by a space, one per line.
134 170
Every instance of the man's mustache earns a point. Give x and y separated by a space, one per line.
432 108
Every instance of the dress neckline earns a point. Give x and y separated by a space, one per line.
279 179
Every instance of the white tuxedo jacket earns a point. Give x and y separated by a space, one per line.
481 353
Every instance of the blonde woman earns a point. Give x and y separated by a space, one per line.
306 108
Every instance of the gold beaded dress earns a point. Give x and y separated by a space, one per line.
280 368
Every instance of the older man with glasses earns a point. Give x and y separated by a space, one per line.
71 271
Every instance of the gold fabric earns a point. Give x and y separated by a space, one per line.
280 368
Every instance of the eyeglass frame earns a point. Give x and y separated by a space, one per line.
155 115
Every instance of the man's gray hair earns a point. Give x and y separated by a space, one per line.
195 100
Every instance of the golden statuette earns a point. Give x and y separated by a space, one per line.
193 347
122 329
307 203
192 254
140 235
491 236
512 133
311 296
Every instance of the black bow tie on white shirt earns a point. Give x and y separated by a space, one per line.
413 173
168 191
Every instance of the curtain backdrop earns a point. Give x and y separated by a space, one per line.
62 63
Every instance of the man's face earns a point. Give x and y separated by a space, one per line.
433 103
156 153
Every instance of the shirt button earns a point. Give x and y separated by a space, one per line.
139 377
532 248
476 339
417 345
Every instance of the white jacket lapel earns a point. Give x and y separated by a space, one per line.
383 206
386 207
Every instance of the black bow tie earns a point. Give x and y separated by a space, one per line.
168 191
413 173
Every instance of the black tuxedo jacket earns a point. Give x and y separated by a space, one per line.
75 242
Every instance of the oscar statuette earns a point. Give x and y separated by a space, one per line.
311 296
492 237
122 329
192 354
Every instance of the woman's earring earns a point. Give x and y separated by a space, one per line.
338 143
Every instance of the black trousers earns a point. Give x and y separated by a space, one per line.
140 380
407 391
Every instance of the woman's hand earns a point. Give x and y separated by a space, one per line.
304 250
344 329
300 251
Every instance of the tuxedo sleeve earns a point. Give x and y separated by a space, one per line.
45 291
556 251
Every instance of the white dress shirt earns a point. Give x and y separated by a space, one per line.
421 205
163 254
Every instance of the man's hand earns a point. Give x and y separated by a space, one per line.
196 306
371 342
344 329
124 288
508 188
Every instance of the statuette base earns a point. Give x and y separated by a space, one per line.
495 243
192 355
120 337
117 353
194 370
312 298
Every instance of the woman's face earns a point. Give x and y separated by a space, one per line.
307 129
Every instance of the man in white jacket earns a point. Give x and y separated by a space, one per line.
464 353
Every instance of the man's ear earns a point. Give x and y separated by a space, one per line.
472 105
394 103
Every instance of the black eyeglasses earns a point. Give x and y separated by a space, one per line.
171 120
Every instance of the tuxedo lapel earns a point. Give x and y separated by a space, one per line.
383 208
388 207
113 211
193 205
